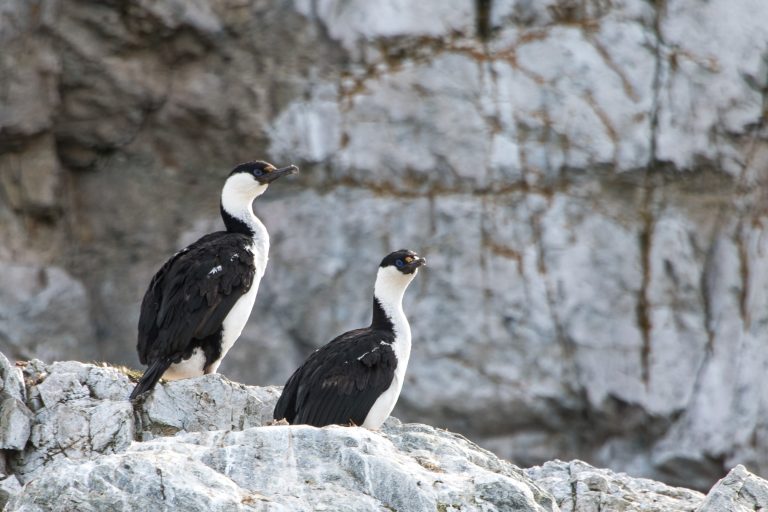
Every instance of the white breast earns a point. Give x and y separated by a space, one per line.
232 327
383 405
235 321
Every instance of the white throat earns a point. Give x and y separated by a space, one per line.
389 290
237 200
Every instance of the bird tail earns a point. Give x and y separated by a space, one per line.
151 376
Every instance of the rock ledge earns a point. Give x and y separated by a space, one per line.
71 440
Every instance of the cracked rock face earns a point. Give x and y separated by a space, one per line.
587 179
201 444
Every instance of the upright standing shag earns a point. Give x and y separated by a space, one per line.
357 377
199 301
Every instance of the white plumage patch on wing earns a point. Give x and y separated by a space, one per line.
215 270
360 358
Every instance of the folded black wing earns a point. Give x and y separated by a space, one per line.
340 382
192 293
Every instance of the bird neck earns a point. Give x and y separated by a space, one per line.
245 222
388 294
237 208
381 321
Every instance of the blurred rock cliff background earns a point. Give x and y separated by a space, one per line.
587 178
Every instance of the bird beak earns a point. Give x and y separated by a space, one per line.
277 173
419 262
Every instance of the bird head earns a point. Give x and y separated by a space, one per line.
248 181
262 172
396 272
403 261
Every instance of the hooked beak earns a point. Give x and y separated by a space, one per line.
277 173
415 264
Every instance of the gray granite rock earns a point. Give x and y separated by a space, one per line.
15 417
203 449
738 491
579 487
9 486
15 424
292 468
78 410
11 380
81 409
206 403
206 444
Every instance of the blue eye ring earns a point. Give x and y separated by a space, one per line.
258 172
399 263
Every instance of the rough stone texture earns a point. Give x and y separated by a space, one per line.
207 403
15 424
15 418
9 487
292 468
82 409
82 454
739 491
78 410
579 487
587 179
202 444
11 380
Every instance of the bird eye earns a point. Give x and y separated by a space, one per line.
399 263
258 172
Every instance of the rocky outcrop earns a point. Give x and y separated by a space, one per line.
291 468
76 411
205 444
587 180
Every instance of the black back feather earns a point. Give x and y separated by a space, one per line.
191 295
340 382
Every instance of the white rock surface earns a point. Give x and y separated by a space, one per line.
208 403
78 410
15 424
15 417
587 179
11 380
579 487
293 468
739 491
229 460
9 487
82 409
